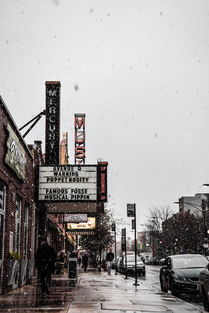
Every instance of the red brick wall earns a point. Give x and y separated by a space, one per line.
14 187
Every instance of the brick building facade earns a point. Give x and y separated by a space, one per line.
17 206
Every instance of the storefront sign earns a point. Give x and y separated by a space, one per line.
89 225
68 183
75 218
15 157
52 122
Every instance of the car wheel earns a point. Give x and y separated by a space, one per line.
205 300
163 284
174 291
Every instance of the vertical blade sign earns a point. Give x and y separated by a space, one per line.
52 122
102 181
80 136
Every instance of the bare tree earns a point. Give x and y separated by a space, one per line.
157 217
154 226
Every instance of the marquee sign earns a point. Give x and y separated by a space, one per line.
68 183
89 225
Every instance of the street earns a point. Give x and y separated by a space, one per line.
96 293
152 279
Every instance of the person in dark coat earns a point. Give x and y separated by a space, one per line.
85 262
109 259
79 261
45 258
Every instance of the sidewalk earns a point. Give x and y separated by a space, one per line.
95 293
30 299
100 293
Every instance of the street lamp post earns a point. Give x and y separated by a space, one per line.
114 229
124 248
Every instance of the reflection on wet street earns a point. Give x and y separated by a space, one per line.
152 278
29 298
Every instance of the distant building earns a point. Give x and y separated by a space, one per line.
143 241
190 204
64 157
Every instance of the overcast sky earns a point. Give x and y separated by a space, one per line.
139 69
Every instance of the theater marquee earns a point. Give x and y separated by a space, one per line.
68 183
89 225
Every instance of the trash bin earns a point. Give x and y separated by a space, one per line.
72 266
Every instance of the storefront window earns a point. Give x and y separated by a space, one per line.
25 243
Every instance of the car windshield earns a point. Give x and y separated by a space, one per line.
190 262
131 258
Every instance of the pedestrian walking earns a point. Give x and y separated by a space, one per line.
61 259
109 258
79 261
45 258
85 262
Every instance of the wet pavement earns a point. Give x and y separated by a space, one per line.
30 299
95 293
99 292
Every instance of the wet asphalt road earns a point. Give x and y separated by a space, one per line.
152 278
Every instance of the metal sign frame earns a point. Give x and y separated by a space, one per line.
59 181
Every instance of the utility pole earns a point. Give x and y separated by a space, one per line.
131 212
123 248
205 230
114 229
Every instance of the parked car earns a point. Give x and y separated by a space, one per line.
180 273
146 257
162 261
130 268
203 287
154 260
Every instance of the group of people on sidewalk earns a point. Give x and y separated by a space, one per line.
46 258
